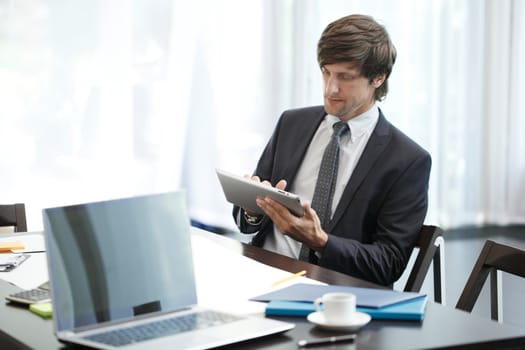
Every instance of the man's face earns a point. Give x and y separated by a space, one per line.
347 93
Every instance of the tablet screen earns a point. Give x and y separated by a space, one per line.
244 192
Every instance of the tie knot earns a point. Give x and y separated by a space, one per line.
340 128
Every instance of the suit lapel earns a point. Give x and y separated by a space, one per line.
375 146
305 132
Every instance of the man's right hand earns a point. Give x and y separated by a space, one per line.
281 185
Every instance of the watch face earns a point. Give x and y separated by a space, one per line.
252 220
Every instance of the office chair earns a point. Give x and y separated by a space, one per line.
494 258
431 247
13 215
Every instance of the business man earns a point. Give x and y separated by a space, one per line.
377 193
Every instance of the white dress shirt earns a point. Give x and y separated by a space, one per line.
351 148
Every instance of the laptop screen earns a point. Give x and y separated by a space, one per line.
117 259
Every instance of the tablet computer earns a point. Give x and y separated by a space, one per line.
243 192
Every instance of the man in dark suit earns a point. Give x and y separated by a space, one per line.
380 190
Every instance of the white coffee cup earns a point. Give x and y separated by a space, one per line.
337 308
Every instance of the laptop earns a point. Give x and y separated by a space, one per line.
122 277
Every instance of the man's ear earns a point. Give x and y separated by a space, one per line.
378 81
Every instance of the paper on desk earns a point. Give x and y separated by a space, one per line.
30 274
226 280
33 271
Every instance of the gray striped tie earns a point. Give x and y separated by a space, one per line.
326 180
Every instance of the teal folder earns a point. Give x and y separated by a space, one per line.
412 310
365 297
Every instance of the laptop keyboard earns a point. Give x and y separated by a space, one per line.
162 328
33 295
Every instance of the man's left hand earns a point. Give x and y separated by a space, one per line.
306 229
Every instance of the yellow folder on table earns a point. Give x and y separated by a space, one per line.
7 247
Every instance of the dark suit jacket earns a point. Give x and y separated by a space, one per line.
383 206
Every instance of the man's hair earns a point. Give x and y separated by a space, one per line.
359 39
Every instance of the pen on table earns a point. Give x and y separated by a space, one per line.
289 278
329 340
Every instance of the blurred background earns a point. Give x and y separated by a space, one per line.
106 99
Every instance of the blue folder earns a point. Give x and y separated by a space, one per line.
412 310
365 297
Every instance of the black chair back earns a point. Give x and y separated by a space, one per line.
431 250
13 215
493 257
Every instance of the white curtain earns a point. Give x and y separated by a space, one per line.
105 99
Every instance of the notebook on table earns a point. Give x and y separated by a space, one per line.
411 310
365 297
122 277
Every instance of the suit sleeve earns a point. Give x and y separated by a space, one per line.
264 171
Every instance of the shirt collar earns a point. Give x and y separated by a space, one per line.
361 124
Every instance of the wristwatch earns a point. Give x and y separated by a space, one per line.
252 220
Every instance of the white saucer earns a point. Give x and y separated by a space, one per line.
359 320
